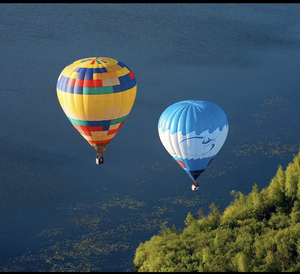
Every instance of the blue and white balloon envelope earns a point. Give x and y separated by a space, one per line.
193 132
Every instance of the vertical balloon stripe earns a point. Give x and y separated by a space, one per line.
168 138
175 123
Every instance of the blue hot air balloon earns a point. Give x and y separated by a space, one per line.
193 132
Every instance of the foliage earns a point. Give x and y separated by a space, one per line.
259 232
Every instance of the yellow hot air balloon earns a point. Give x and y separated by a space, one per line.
97 94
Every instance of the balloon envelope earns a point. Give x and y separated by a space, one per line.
97 95
193 132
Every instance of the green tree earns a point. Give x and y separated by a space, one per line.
291 187
258 232
271 263
281 178
190 219
242 262
295 213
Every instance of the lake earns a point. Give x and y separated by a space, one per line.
59 211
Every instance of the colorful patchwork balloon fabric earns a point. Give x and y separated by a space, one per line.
97 95
193 132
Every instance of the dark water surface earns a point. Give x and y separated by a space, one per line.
61 212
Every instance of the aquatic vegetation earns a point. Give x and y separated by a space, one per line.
98 232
